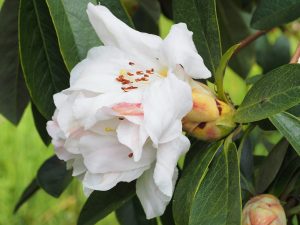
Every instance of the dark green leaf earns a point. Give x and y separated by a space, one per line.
289 168
189 183
166 7
13 93
279 52
254 79
74 31
201 18
289 126
132 213
168 218
43 66
40 124
295 110
53 177
234 28
29 191
102 203
116 7
218 200
146 16
269 168
272 13
277 91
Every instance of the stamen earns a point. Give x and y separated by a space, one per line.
130 155
108 129
131 63
139 72
130 74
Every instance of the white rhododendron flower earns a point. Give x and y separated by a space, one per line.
120 120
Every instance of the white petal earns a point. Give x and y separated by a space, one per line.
165 103
152 199
106 181
78 166
179 49
98 72
105 154
133 136
114 32
167 157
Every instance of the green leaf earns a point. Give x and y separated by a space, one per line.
102 203
234 28
74 31
166 7
117 8
146 16
201 18
277 91
40 124
53 177
272 13
268 170
218 200
168 218
132 213
13 93
188 184
42 63
289 168
280 53
29 191
219 78
289 126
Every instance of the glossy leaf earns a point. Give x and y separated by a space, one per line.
234 28
270 56
268 170
42 63
40 124
277 91
218 200
102 203
74 31
132 213
53 177
201 18
289 126
29 191
13 93
272 13
188 185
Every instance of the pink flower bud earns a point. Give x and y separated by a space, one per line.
263 210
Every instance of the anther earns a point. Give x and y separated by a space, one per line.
131 63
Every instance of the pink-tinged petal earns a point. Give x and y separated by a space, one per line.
129 109
179 49
113 32
133 136
167 157
165 103
105 154
106 181
152 199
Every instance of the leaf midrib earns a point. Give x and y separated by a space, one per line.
44 44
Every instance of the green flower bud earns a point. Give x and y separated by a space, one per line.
263 210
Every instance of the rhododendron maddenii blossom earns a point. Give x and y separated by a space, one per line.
120 120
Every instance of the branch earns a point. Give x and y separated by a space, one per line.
296 56
248 40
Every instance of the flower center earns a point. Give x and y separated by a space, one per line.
135 77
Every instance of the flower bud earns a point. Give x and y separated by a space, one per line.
263 210
210 118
